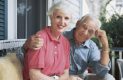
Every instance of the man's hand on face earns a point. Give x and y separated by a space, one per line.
36 42
101 35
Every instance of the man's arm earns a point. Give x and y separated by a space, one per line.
34 42
101 35
99 61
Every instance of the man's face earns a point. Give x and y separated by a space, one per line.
85 31
60 20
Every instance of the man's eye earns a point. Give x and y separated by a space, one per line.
91 31
85 27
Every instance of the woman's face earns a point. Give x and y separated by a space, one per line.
85 31
60 20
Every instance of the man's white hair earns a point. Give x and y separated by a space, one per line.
88 17
61 5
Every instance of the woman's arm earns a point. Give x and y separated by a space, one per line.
65 76
36 74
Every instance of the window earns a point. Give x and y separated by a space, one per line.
31 17
3 19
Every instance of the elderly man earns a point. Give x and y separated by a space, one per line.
84 53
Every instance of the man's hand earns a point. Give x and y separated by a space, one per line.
36 42
101 35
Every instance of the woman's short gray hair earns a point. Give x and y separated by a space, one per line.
61 5
88 17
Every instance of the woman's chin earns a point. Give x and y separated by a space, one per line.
60 30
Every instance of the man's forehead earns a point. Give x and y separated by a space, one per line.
88 26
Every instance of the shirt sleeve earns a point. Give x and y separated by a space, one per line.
94 63
100 69
36 58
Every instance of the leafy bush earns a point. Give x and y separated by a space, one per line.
114 30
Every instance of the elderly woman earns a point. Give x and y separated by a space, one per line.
52 59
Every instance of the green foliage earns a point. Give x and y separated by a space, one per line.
96 41
114 30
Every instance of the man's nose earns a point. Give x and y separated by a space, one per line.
85 32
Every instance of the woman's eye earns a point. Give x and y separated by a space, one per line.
58 16
67 18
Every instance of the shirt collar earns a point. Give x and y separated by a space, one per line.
85 44
50 35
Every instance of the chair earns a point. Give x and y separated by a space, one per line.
10 59
120 65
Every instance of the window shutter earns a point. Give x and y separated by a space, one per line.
3 19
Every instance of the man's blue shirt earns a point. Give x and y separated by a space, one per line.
84 56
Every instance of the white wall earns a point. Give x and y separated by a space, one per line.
85 9
12 19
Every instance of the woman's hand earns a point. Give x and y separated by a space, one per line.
64 76
36 74
75 77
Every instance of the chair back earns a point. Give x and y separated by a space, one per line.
120 65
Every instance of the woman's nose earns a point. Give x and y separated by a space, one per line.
63 23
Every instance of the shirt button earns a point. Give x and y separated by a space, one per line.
55 47
55 52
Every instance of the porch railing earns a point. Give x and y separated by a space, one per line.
116 53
